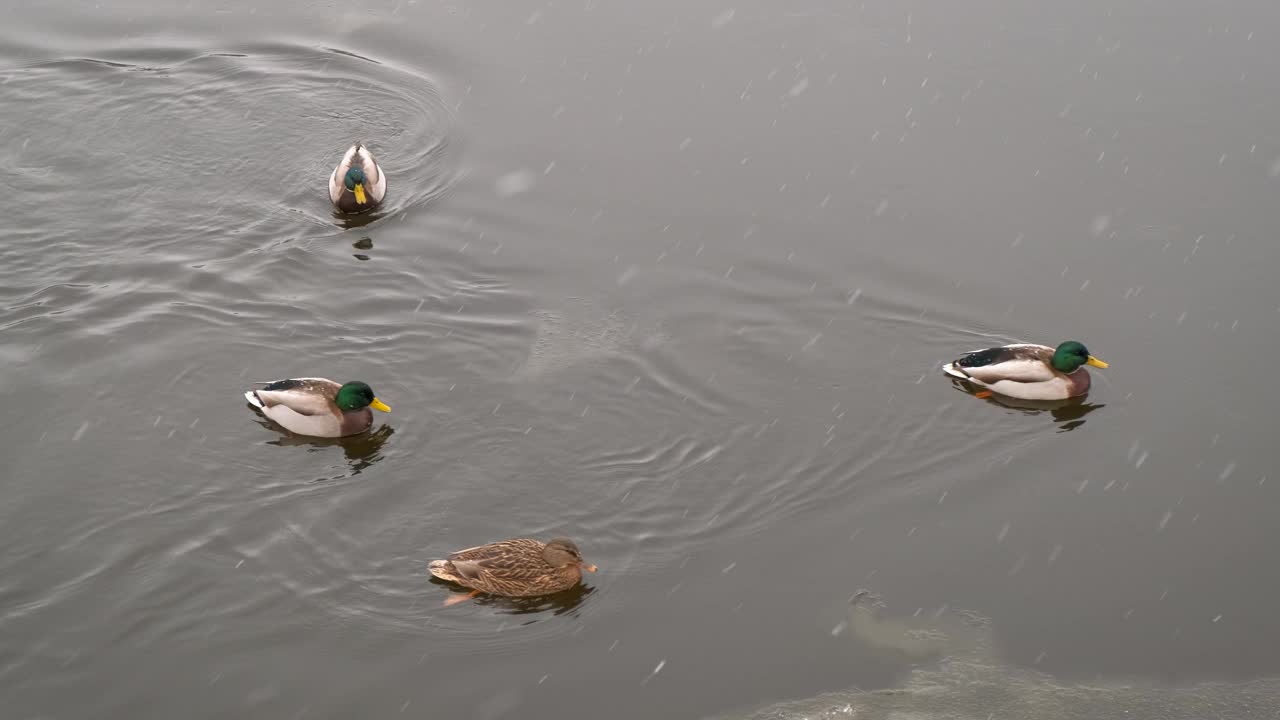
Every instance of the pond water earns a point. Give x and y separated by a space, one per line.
674 279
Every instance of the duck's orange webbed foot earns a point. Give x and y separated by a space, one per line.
456 598
983 395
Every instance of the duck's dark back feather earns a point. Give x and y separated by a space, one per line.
990 356
1007 353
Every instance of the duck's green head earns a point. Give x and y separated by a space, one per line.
1070 355
354 181
356 395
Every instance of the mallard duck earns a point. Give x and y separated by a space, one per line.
513 568
357 185
1028 372
317 406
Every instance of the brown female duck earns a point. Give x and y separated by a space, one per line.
513 568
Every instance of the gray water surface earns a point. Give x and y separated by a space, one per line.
674 279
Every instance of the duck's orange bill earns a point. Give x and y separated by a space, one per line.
590 568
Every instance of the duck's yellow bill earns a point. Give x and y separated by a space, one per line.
360 198
379 405
1095 362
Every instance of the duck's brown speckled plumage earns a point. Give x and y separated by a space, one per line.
521 567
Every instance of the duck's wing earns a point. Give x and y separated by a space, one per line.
304 396
1026 363
516 547
507 561
377 180
336 187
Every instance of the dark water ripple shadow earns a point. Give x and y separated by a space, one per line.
661 459
1071 412
361 451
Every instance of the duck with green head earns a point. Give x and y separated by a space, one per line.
1028 372
317 407
357 184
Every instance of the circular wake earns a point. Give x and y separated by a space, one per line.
176 145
